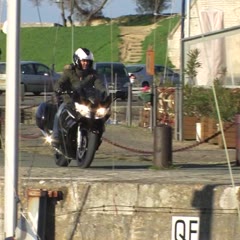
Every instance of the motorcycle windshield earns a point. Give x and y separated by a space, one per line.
92 94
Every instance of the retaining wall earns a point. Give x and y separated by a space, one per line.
117 210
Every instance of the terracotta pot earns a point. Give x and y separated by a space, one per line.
189 127
230 130
208 129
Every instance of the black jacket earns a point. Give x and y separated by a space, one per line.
73 79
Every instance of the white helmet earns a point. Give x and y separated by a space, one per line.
82 54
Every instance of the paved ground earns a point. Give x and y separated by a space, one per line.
131 160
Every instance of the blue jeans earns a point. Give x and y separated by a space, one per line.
55 134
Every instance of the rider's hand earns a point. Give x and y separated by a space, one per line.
58 92
57 98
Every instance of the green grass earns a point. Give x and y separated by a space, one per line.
158 40
138 20
55 45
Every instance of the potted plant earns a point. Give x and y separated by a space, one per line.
200 103
191 98
228 105
192 65
196 107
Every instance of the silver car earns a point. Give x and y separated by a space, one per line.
35 76
165 74
114 75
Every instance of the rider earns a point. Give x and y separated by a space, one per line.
78 75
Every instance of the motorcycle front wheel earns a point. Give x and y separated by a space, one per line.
87 148
61 160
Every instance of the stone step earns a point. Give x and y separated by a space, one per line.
136 49
136 55
133 60
132 38
135 44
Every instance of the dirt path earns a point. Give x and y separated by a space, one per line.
132 38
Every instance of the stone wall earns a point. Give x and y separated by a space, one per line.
99 210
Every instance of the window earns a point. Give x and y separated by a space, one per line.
42 70
2 68
27 69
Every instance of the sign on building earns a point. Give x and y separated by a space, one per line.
185 228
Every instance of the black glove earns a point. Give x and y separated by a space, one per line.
57 97
58 92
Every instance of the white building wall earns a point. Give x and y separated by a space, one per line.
231 9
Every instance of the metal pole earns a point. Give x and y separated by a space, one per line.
176 124
237 121
12 118
154 106
188 18
179 114
1 117
129 106
151 122
183 19
115 102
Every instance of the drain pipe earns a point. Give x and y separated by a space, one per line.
37 205
38 201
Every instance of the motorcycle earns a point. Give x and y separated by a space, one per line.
81 126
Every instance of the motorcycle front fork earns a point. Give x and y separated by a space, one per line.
79 137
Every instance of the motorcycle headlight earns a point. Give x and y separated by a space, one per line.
101 112
82 109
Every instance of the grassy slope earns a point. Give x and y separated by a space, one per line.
53 45
158 39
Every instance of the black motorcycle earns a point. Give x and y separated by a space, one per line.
81 125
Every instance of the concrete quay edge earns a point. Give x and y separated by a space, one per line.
121 192
136 204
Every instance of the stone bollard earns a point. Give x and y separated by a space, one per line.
162 146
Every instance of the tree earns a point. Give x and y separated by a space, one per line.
86 10
152 6
192 64
82 10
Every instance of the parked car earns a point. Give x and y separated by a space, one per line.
165 74
36 77
114 75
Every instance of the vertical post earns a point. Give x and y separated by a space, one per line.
12 118
237 121
178 115
179 99
188 17
115 102
129 106
1 117
154 106
22 92
162 146
151 111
